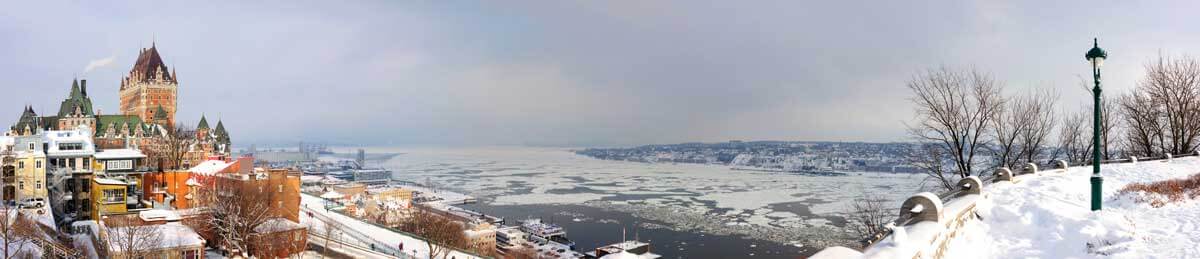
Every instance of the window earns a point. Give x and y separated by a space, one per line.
21 165
39 164
32 147
38 186
70 146
113 196
87 164
21 185
119 164
71 163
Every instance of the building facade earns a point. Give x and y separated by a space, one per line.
125 166
149 87
31 170
69 154
108 197
76 110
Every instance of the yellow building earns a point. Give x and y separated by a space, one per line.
108 197
30 184
481 238
397 194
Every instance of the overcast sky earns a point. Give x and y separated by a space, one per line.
570 73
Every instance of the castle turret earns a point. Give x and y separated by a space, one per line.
149 85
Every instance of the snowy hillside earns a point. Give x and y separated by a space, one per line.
1048 216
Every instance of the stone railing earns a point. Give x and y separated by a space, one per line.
927 222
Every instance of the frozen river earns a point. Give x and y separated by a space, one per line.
780 209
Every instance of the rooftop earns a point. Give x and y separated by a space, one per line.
172 235
276 225
210 167
119 154
107 181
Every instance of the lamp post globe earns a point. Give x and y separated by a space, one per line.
1096 56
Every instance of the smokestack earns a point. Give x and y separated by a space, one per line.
83 87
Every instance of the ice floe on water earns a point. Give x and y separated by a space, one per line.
782 207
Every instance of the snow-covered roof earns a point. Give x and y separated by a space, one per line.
333 195
7 141
81 136
210 167
276 225
311 178
119 154
621 250
173 235
627 255
158 214
109 181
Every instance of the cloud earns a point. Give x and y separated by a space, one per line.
99 63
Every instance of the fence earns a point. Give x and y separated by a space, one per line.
932 220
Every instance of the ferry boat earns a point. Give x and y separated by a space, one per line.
542 233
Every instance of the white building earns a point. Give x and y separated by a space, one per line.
70 149
69 154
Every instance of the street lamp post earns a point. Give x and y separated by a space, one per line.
1096 56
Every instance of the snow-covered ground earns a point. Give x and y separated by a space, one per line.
1049 216
763 205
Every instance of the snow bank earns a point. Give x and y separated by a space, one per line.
1049 216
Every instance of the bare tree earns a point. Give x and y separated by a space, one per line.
1007 125
172 148
932 161
1144 127
233 209
1040 121
441 234
1173 83
1073 140
332 233
124 235
954 109
1110 127
522 253
866 217
16 230
275 239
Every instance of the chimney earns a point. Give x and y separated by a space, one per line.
83 87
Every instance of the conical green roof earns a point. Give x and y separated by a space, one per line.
160 113
222 135
203 123
76 100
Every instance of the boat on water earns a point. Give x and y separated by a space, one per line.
542 233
